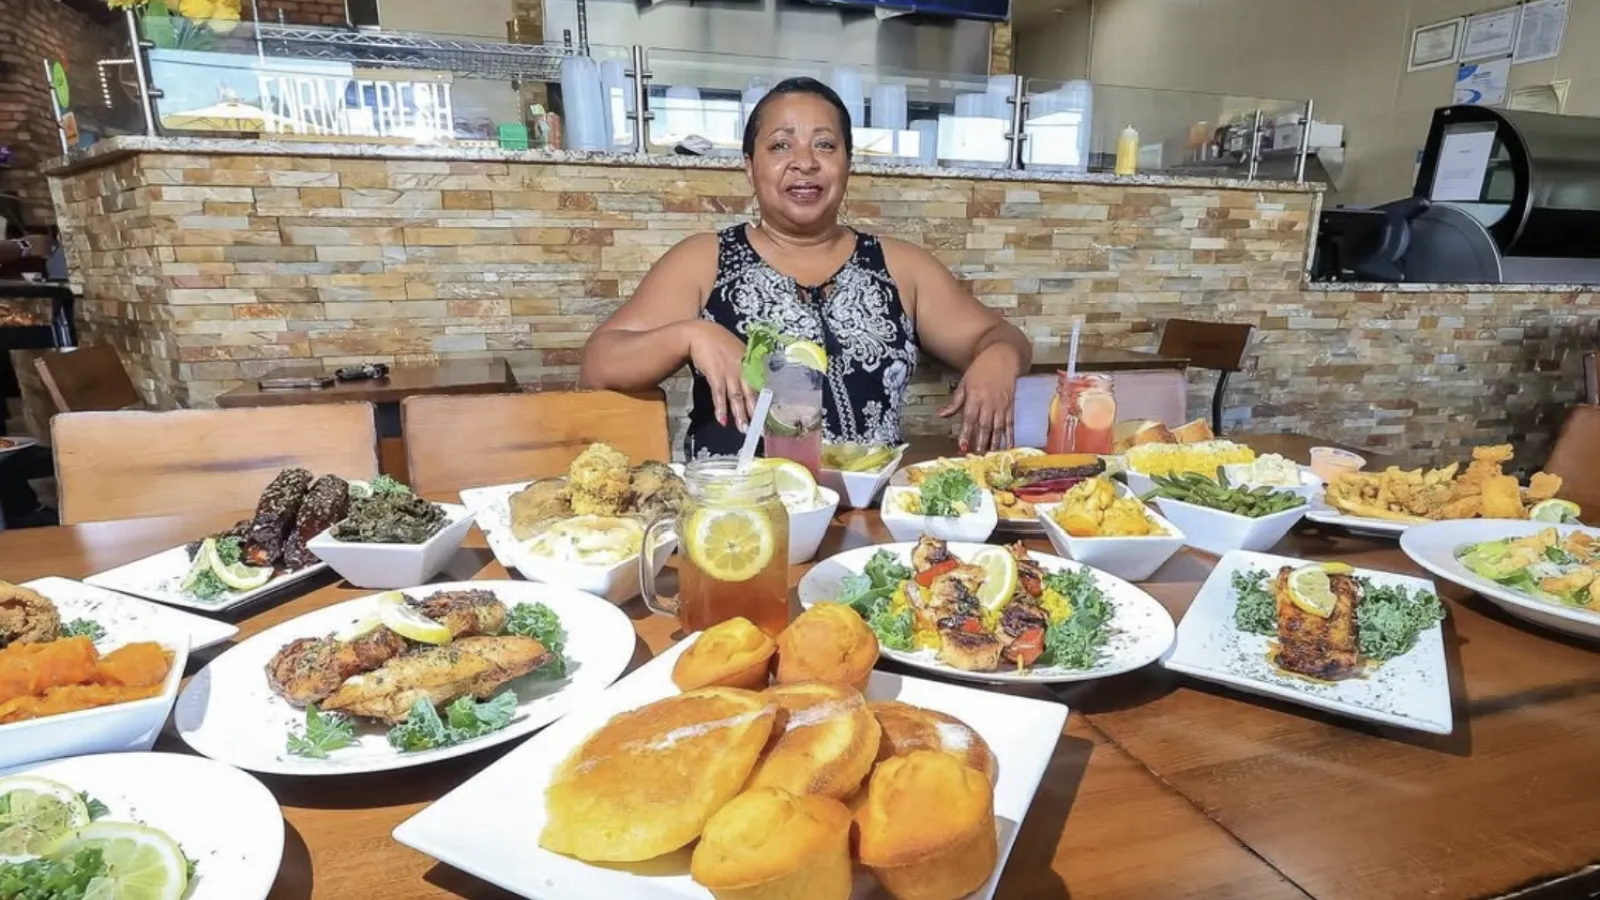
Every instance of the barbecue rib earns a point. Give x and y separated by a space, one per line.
325 503
275 515
1322 648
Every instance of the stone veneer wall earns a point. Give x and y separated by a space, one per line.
208 270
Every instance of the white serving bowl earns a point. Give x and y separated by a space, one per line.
1310 485
806 529
974 527
1215 531
118 728
386 566
859 489
618 583
1138 482
1128 558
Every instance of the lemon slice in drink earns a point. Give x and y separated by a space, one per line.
795 486
999 576
731 544
1556 511
142 863
807 354
37 811
237 576
408 623
1310 589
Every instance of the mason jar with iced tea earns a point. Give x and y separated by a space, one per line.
733 550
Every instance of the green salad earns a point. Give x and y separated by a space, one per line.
1546 566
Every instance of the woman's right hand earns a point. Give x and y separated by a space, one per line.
720 358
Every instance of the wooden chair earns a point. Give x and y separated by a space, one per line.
123 465
1208 345
86 379
1591 379
459 442
1576 458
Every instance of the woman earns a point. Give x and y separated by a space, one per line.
871 302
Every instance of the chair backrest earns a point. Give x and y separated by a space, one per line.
86 379
471 441
123 465
1591 379
1576 458
1207 345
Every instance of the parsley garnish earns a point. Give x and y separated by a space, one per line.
463 720
1076 643
88 628
540 622
324 733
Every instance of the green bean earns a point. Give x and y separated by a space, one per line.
1192 487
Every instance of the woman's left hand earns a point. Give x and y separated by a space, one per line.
986 400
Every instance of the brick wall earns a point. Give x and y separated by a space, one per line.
209 270
30 31
301 12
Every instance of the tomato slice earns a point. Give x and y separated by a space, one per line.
926 577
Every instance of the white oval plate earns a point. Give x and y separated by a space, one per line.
187 797
229 713
1142 628
1433 547
1320 512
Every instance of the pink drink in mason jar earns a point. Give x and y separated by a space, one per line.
793 429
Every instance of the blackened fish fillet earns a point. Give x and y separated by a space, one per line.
275 515
326 503
1322 648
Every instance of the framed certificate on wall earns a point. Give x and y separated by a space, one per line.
1436 45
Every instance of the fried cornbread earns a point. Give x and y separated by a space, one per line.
733 654
645 783
907 729
927 827
825 740
770 844
828 642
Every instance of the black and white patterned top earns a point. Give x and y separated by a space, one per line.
855 315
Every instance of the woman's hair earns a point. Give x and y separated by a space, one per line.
802 85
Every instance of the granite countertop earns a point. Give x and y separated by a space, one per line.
1438 287
112 149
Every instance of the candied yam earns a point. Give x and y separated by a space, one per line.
135 665
27 669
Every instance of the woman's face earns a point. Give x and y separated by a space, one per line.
800 166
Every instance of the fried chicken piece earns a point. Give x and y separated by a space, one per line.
601 481
1502 498
476 666
307 670
1543 486
534 507
324 505
1310 645
26 616
657 490
465 613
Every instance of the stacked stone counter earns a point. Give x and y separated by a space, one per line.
209 262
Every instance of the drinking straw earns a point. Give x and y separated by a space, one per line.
1072 349
747 453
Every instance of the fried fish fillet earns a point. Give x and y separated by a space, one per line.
26 616
601 481
537 505
1309 645
465 613
476 666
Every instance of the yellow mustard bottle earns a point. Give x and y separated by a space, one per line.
1128 151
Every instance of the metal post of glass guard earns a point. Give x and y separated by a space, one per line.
640 74
1255 147
146 92
1305 143
1019 105
49 78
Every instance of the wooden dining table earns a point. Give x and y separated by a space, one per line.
1160 786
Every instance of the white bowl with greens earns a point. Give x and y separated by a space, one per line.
391 538
947 504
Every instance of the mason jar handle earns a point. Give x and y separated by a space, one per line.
667 606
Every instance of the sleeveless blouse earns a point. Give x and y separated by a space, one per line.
856 316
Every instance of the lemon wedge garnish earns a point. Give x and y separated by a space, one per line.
1556 511
731 544
1310 589
142 863
794 484
808 354
237 576
999 576
37 812
412 625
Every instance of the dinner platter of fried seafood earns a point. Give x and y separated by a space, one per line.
399 679
1356 642
258 556
100 679
583 530
1017 479
991 614
697 777
1386 503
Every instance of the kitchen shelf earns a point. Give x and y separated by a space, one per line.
465 58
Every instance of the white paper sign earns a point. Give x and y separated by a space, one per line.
1539 35
1463 163
1483 83
1490 34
